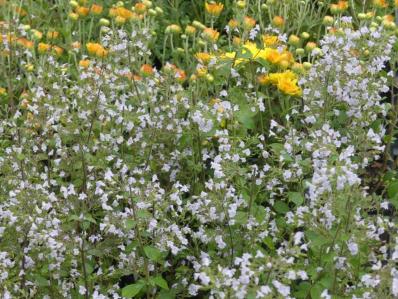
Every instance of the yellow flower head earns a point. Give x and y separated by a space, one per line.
82 11
278 21
52 34
121 12
85 63
96 9
214 9
248 22
270 40
43 48
380 3
289 87
203 57
25 43
210 35
3 91
58 50
140 8
96 49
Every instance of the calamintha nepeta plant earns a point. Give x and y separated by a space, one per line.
145 159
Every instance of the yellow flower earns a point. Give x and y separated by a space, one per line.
96 9
203 57
233 23
232 56
140 8
190 30
248 23
289 87
25 43
85 63
121 12
270 40
214 9
278 21
52 34
3 91
210 35
96 49
82 11
380 3
201 72
275 77
396 3
58 50
43 48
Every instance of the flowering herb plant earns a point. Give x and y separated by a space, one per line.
198 149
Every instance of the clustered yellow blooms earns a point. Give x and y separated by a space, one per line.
286 82
96 49
271 55
204 58
121 12
214 9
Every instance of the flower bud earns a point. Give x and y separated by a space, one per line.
209 78
29 67
278 21
198 25
147 3
73 4
294 40
159 10
305 35
241 4
328 21
190 30
104 22
362 16
152 12
120 20
73 16
173 28
310 46
300 51
307 65
248 23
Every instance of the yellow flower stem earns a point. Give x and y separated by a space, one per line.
164 49
90 28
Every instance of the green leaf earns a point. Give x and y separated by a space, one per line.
161 282
152 253
296 198
131 290
281 207
41 281
316 291
130 223
270 244
316 239
245 117
392 189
